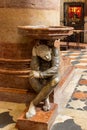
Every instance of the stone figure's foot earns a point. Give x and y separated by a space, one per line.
31 111
46 106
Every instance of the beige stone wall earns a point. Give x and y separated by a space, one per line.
14 16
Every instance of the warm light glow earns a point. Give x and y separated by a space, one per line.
74 12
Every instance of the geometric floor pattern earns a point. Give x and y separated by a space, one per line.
72 103
78 100
74 115
78 57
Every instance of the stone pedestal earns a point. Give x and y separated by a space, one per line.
41 121
15 62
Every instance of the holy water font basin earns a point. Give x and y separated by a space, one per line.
46 32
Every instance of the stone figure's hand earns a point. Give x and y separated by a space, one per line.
34 74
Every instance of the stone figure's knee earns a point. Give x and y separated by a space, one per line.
55 81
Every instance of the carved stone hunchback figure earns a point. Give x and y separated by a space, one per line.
44 74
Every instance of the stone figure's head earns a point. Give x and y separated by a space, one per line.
44 51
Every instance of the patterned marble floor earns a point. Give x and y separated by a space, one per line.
78 57
78 99
79 96
72 100
72 110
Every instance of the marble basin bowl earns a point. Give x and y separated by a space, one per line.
45 32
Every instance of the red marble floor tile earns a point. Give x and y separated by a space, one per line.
79 95
83 61
81 67
83 81
72 58
75 54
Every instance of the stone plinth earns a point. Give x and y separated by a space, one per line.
41 121
15 62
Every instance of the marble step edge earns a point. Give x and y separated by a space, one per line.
16 95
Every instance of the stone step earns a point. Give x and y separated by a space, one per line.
15 80
14 65
16 95
41 121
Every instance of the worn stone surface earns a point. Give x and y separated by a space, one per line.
26 12
5 119
47 4
43 4
10 22
66 125
2 3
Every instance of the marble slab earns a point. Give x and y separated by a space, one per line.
41 121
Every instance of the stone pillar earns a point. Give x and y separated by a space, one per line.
15 49
26 12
